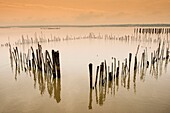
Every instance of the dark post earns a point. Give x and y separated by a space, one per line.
130 57
33 59
96 75
110 76
45 63
112 66
167 53
123 68
54 62
102 71
40 56
21 60
37 58
29 64
105 71
117 72
135 65
58 64
90 72
125 65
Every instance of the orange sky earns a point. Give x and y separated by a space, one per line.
43 12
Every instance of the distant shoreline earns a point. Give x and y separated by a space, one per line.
111 25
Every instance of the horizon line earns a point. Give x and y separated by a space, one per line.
80 25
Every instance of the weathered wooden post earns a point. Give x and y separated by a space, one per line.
130 57
49 62
112 66
110 76
54 63
24 61
147 64
117 72
29 62
102 72
45 62
90 74
17 53
143 59
15 56
158 50
21 60
37 58
40 56
167 53
122 68
58 64
151 62
33 58
125 65
105 71
18 58
10 51
15 59
135 64
118 63
27 59
162 51
117 77
96 75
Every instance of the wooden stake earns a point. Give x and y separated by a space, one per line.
117 72
135 64
105 71
130 57
110 76
58 64
96 75
90 74
54 63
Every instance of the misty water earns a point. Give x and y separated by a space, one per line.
35 92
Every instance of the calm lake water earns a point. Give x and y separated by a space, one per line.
28 92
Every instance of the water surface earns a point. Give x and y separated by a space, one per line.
34 92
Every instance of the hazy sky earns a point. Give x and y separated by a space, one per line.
36 12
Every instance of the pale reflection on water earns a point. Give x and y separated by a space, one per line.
33 91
